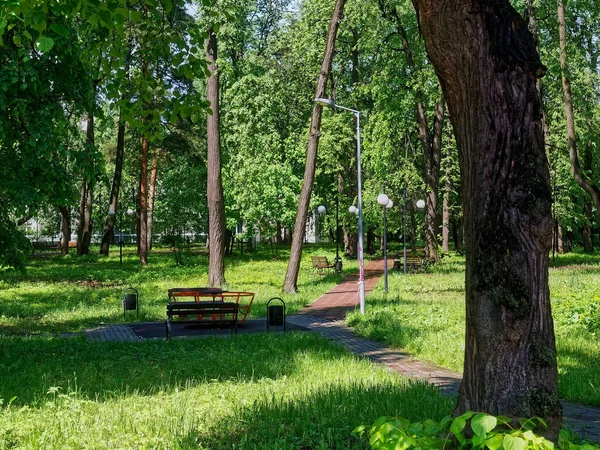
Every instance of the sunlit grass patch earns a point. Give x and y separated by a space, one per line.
254 391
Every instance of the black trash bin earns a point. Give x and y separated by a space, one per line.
130 301
276 314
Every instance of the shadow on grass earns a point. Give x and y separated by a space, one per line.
323 418
32 367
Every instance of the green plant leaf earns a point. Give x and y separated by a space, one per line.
60 30
482 424
494 442
44 44
513 443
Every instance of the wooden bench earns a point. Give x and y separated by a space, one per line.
218 313
320 264
43 246
414 263
242 299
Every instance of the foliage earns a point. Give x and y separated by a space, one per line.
483 432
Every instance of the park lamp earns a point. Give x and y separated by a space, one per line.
353 210
420 204
321 209
385 203
361 264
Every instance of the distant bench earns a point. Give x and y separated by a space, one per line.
320 264
205 312
414 263
41 246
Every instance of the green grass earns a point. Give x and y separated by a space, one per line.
255 391
424 313
69 294
266 391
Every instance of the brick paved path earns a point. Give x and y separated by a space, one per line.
325 316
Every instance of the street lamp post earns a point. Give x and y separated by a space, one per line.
386 203
361 264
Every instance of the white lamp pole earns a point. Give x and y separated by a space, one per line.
361 263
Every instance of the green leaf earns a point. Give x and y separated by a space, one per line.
17 39
482 424
514 443
494 442
44 44
60 30
135 16
105 16
2 25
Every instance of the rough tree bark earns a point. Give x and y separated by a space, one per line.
578 175
65 226
216 202
291 277
109 226
487 63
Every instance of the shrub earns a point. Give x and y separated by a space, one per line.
483 432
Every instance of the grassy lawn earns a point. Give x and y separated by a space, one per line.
69 294
263 391
424 313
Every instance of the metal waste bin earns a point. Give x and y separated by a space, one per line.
276 314
130 301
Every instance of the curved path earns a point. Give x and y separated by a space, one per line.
326 314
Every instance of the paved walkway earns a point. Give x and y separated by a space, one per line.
325 316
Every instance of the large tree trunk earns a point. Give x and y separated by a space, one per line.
291 276
65 226
580 177
151 192
487 64
216 202
109 225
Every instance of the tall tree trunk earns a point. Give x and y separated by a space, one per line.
487 64
65 226
109 225
580 177
432 159
446 203
588 218
431 144
291 277
84 228
216 202
143 203
151 192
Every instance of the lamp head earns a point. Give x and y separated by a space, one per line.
324 102
130 212
420 204
390 204
321 209
383 199
353 210
111 212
